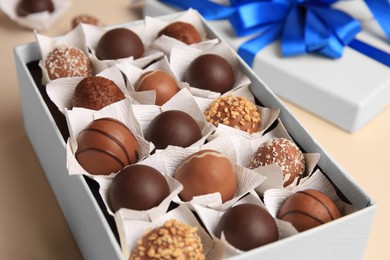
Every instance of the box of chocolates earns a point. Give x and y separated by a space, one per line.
173 148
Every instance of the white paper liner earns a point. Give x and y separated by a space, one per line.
130 231
79 118
61 90
39 21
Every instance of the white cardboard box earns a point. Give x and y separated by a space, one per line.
344 238
348 92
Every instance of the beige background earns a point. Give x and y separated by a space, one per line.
31 223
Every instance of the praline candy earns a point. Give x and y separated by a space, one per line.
26 7
184 32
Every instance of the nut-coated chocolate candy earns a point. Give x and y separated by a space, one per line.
173 127
210 72
182 31
137 187
205 172
26 7
307 209
160 81
247 226
119 43
282 152
105 146
95 92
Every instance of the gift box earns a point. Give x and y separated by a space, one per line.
95 230
347 92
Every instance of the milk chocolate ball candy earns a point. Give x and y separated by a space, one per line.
119 43
182 31
282 152
307 209
247 226
105 146
206 172
85 18
173 240
210 72
26 7
160 81
137 187
173 127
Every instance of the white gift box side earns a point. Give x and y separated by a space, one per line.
344 238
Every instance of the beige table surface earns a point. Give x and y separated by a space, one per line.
31 223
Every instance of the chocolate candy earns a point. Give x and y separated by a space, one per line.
307 209
206 172
210 72
67 61
282 152
182 31
173 127
85 18
96 92
26 7
119 43
236 112
163 83
105 146
247 226
173 240
137 187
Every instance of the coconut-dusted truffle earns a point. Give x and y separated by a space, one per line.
236 112
67 61
173 240
282 152
96 92
182 31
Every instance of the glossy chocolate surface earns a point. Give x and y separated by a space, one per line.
26 7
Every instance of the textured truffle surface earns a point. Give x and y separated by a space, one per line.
307 209
173 240
26 7
96 92
182 31
205 172
236 112
282 152
85 18
67 61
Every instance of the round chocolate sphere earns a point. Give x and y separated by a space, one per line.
206 172
119 43
282 152
236 112
307 209
163 83
182 31
247 226
137 187
96 92
26 7
173 127
67 61
173 240
210 72
105 146
85 18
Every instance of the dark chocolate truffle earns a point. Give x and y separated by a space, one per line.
163 83
85 18
173 240
307 209
105 146
119 43
96 92
182 31
210 72
282 152
26 7
236 112
137 187
247 226
173 127
206 172
67 61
